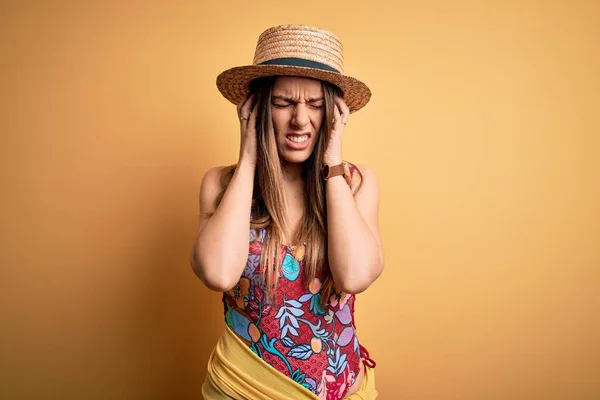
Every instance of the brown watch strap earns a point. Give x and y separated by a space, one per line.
334 170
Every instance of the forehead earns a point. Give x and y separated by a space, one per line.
297 86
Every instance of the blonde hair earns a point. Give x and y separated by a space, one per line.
268 197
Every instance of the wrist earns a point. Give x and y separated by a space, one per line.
331 171
336 178
247 160
332 161
246 165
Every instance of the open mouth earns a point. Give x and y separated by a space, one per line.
297 141
298 138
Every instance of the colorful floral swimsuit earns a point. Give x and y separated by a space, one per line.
316 347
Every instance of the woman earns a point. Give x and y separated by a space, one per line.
288 288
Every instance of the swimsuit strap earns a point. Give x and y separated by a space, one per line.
364 354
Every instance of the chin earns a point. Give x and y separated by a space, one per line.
296 158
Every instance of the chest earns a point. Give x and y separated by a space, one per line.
295 205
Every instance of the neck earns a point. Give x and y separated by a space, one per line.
292 172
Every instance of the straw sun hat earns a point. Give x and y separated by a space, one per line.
295 50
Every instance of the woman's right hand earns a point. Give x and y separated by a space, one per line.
247 117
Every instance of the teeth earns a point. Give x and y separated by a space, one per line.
298 139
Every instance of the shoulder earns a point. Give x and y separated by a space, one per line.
212 177
365 170
211 187
213 172
219 175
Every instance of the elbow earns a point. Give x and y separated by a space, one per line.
218 285
354 287
366 269
215 281
361 282
213 278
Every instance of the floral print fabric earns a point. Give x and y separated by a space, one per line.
315 346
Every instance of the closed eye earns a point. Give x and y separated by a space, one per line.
316 104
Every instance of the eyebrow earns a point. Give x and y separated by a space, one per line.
289 99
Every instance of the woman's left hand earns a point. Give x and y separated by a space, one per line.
333 153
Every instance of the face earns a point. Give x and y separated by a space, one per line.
297 108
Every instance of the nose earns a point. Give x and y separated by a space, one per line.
300 117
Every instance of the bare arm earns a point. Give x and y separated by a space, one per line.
221 246
354 245
220 250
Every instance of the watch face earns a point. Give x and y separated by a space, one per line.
325 171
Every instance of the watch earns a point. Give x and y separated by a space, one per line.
329 171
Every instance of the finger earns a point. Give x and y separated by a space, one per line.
253 114
337 117
344 110
245 111
241 103
239 106
342 105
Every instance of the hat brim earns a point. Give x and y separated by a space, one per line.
234 83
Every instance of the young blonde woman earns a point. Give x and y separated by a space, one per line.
290 233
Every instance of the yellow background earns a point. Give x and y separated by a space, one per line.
483 130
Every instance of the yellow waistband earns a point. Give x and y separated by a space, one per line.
235 372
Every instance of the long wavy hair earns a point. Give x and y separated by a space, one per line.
268 198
